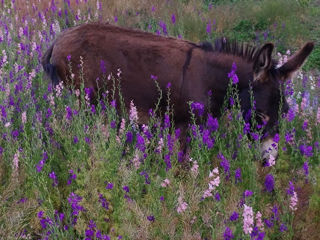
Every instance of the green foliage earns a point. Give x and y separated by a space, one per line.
244 31
102 154
313 61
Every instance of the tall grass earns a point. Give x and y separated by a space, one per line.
68 172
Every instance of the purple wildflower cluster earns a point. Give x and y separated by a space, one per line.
53 176
269 183
92 233
72 176
232 75
74 201
197 108
225 165
42 162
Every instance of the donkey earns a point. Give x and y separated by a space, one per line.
191 69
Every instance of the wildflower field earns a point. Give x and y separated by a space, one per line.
70 169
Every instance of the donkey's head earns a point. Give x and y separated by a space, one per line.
268 89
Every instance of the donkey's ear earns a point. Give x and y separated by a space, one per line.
296 61
263 58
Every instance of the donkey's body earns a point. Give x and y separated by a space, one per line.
191 69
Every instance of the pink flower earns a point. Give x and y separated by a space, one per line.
182 206
24 117
160 146
16 162
136 160
247 219
213 184
259 222
133 115
303 103
294 201
318 115
165 183
122 126
194 169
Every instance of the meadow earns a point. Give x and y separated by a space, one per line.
68 172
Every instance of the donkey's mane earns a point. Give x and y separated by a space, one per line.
233 47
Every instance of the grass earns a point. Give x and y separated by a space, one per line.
66 172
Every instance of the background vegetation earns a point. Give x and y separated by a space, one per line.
66 172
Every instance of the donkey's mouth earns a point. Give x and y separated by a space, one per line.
269 151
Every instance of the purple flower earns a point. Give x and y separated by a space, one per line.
227 235
72 176
87 139
89 233
74 200
140 143
306 168
197 107
306 150
166 121
167 160
103 67
255 136
53 176
15 134
164 27
151 218
153 77
129 137
49 113
290 189
207 139
75 139
177 133
146 177
113 103
283 227
268 223
113 124
126 189
173 19
269 183
225 165
212 123
68 113
232 75
103 201
208 28
40 214
161 198
247 193
237 175
169 85
93 109
180 156
305 125
109 185
41 163
276 138
22 200
217 197
234 216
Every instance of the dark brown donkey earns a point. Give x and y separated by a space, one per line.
192 69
